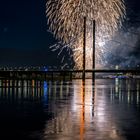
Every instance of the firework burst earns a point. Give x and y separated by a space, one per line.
65 19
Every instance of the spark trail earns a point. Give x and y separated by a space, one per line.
65 19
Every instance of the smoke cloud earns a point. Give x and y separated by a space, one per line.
124 48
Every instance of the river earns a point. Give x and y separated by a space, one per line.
108 109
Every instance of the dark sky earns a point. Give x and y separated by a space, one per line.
23 23
23 33
24 39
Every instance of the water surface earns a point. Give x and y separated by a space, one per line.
70 110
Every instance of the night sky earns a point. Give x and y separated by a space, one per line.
24 36
24 39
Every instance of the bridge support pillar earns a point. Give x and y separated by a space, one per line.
84 47
93 52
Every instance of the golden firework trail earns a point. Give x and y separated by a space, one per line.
66 19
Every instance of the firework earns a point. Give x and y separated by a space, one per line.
65 19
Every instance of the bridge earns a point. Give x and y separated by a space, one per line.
61 74
70 73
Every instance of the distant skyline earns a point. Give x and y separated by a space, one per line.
24 38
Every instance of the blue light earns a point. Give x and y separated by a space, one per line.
45 86
45 68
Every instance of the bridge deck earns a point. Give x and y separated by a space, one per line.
59 74
77 71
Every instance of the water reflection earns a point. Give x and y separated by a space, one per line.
20 90
66 110
127 91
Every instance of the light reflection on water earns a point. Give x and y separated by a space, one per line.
70 110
